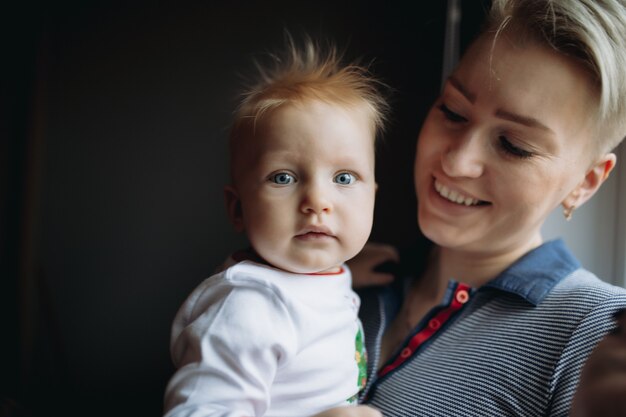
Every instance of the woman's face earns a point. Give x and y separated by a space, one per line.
505 144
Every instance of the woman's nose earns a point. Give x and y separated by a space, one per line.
464 156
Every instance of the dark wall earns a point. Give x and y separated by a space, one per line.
113 162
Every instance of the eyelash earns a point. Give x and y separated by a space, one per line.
273 178
353 178
450 115
513 150
503 142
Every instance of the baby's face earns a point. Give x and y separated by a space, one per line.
306 186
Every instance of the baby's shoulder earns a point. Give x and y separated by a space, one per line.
242 276
230 292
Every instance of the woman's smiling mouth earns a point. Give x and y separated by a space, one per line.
455 196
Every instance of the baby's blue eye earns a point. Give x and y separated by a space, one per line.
282 178
345 178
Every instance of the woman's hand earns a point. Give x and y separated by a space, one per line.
603 380
358 411
363 266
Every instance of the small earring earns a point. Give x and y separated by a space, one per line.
568 212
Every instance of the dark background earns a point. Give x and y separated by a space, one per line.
113 123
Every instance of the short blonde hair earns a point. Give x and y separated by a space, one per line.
592 32
310 72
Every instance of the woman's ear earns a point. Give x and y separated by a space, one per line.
233 207
595 176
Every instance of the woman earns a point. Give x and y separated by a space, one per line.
496 321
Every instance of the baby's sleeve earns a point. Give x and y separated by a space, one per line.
227 353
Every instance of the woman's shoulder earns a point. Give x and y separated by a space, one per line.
584 284
585 295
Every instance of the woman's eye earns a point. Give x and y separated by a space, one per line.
345 178
282 178
450 115
513 150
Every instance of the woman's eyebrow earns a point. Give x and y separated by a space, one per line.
471 97
523 120
503 114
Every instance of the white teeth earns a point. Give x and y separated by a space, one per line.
455 196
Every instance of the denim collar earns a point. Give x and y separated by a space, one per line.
534 275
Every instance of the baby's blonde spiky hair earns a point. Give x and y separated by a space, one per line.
310 72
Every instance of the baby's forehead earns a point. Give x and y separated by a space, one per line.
264 127
356 108
262 119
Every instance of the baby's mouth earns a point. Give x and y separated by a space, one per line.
317 231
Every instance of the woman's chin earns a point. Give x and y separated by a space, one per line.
442 233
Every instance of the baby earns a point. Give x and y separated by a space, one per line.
277 333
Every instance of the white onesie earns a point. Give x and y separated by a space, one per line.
254 340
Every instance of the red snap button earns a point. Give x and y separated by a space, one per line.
406 352
434 324
462 296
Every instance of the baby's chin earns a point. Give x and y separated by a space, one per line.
308 270
306 267
309 258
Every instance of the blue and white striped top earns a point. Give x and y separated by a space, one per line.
514 347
